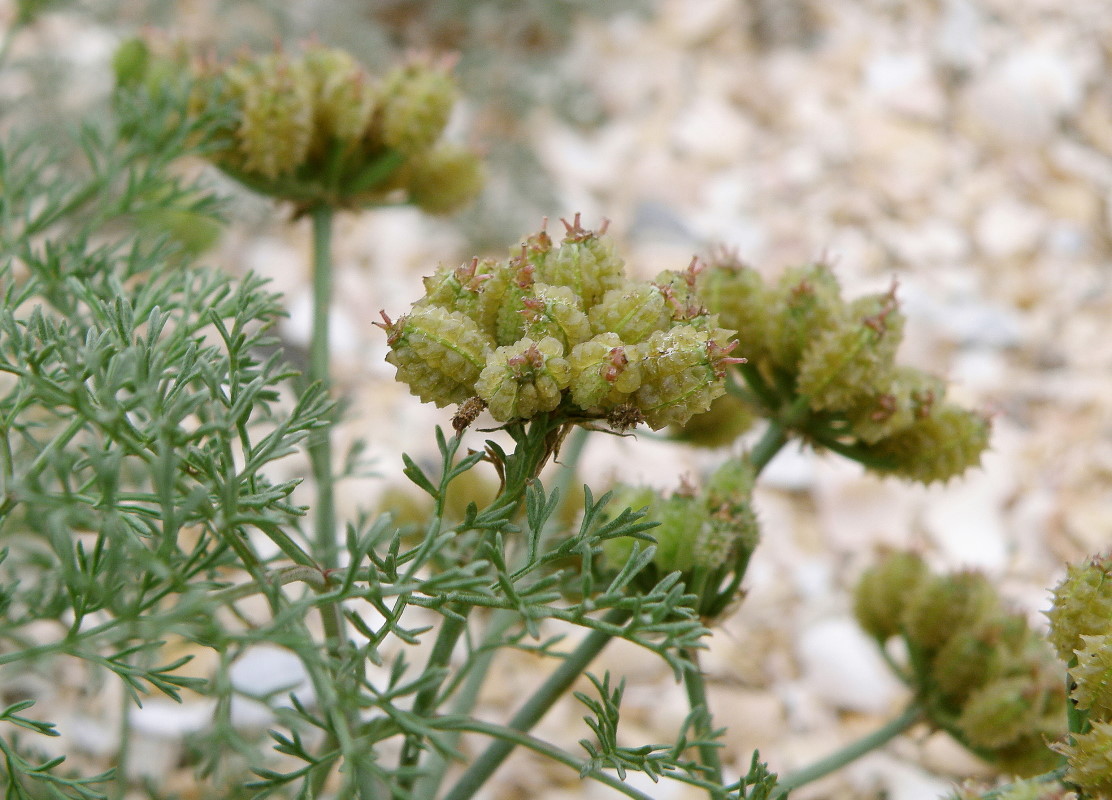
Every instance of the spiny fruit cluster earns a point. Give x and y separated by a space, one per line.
826 367
559 326
1081 632
979 671
318 128
708 535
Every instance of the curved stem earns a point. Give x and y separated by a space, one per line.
541 701
512 737
849 753
326 548
695 683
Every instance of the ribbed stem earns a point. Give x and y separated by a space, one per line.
320 442
695 683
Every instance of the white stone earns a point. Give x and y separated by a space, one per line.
842 666
160 717
1008 227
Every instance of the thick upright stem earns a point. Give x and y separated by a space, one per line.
320 443
695 685
530 714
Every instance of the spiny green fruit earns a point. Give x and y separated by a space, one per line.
439 354
634 311
344 96
503 299
999 713
805 302
680 291
1093 676
524 379
416 102
942 605
904 395
731 483
739 296
970 659
457 288
727 419
1082 606
682 374
584 262
444 179
130 62
881 594
681 519
1089 756
276 122
728 531
846 361
605 372
936 447
555 311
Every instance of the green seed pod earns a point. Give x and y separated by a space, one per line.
847 361
728 418
1089 756
805 302
604 373
682 518
457 288
907 394
416 102
1093 676
584 262
934 448
943 605
344 97
681 294
682 374
1082 606
970 659
276 119
555 311
633 311
503 297
730 530
738 295
881 594
130 62
439 354
524 379
444 179
999 713
731 484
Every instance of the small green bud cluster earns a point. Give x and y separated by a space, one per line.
1081 632
981 672
317 128
805 343
708 535
559 326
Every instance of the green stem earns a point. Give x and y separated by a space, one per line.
512 737
320 442
849 753
774 438
541 701
695 683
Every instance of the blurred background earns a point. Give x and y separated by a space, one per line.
962 148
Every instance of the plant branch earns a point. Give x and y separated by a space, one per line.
511 737
695 684
851 752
